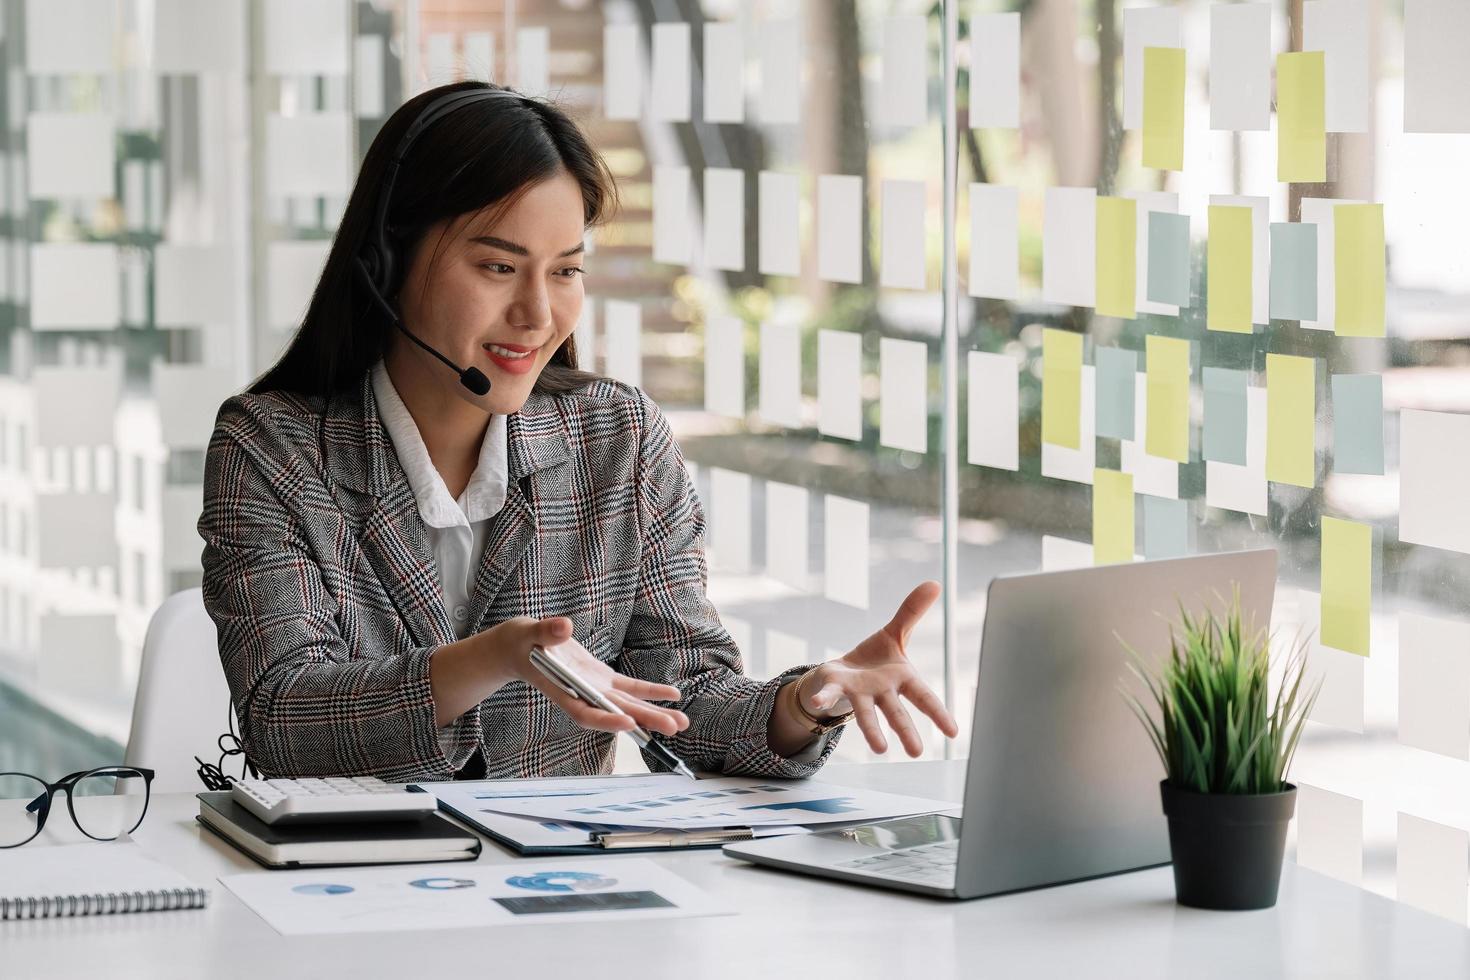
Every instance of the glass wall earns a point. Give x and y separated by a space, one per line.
778 281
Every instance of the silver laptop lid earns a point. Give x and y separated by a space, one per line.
1062 782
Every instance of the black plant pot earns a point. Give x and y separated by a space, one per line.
1227 848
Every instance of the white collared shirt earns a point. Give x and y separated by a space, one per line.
457 529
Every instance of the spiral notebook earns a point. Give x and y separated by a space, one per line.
38 881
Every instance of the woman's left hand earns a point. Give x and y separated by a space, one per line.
875 674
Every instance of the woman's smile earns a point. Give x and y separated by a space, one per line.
511 358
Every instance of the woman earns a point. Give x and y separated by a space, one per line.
383 545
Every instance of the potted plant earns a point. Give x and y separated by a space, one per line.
1226 745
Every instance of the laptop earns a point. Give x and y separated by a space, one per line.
1062 782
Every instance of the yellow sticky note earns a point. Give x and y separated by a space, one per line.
1361 269
1291 419
1061 388
1347 584
1167 425
1117 254
1112 517
1301 117
1163 108
1228 292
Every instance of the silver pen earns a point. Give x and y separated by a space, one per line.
571 682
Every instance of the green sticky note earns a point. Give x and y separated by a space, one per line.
1301 117
1061 388
1117 370
1357 423
1347 584
1163 108
1112 517
1361 269
1228 297
1168 258
1293 271
1167 423
1225 415
1165 527
1291 419
1117 251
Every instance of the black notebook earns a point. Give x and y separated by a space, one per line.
316 845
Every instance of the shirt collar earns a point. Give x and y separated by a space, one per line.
483 496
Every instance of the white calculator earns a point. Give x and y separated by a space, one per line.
335 799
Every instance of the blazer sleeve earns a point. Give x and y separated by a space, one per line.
675 637
307 705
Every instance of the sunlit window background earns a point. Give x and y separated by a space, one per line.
173 170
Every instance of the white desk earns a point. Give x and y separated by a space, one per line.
788 925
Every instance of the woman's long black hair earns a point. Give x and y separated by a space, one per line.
482 154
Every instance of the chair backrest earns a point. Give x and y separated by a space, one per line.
180 707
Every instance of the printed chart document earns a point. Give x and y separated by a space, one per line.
456 896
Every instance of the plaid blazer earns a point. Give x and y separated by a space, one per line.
320 579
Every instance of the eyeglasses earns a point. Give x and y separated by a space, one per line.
104 803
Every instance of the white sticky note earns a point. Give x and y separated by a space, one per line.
903 97
724 219
479 55
995 232
1318 211
193 285
780 377
1339 29
1243 488
584 337
292 269
1329 836
670 92
780 223
1144 27
77 530
1240 66
1061 463
189 396
1149 202
306 37
839 384
622 326
77 405
1434 470
724 72
533 60
1340 699
839 228
69 37
1062 554
74 286
784 651
994 410
780 93
845 551
72 154
995 71
1433 868
786 535
439 67
671 200
729 540
197 36
1069 245
724 366
1436 71
1152 475
622 72
1434 684
369 101
181 507
79 653
1260 251
903 367
309 155
903 235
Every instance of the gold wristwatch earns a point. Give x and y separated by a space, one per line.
813 724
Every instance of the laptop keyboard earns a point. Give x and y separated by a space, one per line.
925 864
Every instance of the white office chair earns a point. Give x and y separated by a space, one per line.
182 699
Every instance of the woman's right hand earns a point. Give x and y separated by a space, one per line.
512 641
